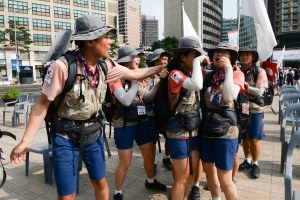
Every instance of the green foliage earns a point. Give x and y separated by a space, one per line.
167 44
22 35
11 93
142 62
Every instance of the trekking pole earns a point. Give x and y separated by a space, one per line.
102 116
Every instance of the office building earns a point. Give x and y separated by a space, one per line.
149 30
228 25
205 16
44 19
130 21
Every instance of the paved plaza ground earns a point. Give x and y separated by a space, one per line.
269 186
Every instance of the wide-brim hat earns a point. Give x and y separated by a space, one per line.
189 43
157 53
249 49
226 46
90 27
127 53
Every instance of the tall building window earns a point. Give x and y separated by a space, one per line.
79 13
286 4
103 16
295 15
295 3
20 20
2 36
19 6
62 26
286 10
295 21
66 2
285 22
62 12
285 16
98 4
81 3
295 28
43 25
39 9
285 28
295 9
1 19
42 40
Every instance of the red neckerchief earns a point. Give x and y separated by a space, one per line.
87 70
219 76
248 71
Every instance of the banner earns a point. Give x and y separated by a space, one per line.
232 38
271 69
188 29
288 55
279 61
265 37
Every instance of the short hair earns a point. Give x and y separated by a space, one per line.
80 43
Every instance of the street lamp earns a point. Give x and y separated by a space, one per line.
16 44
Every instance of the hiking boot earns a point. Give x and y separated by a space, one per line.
195 193
207 187
245 166
168 163
156 185
155 165
118 196
255 171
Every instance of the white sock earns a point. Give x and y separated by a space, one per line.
150 180
118 191
154 162
196 184
248 160
216 198
255 162
165 157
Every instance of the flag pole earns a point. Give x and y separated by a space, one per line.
182 25
239 26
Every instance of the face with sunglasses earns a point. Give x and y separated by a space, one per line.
221 59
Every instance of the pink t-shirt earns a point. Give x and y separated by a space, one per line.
262 80
57 74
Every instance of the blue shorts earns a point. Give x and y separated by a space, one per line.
151 124
280 83
65 163
255 131
179 149
219 151
142 134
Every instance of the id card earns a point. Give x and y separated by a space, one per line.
141 110
245 108
219 97
77 88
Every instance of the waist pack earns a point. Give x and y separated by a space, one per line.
189 120
136 111
217 123
70 128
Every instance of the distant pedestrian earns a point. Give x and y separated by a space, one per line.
280 81
289 77
297 77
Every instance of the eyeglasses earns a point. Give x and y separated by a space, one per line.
223 52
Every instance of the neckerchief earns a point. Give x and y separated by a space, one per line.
219 76
248 71
87 70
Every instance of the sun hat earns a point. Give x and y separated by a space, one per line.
157 53
127 53
90 27
249 49
226 46
189 43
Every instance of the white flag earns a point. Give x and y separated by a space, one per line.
280 59
265 36
188 29
232 38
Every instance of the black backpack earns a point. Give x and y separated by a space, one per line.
296 75
280 75
72 73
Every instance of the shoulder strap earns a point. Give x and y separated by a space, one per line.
255 73
207 79
72 71
103 67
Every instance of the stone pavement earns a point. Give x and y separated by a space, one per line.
269 186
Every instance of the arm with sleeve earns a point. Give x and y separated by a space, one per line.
230 90
126 98
149 94
195 83
260 85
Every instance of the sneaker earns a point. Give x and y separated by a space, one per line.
245 166
255 171
234 180
156 185
207 187
168 163
155 165
118 196
195 193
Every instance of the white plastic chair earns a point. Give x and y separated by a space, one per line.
20 107
32 99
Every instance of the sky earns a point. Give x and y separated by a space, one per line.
156 8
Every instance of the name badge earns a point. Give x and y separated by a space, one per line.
141 110
219 97
77 88
245 108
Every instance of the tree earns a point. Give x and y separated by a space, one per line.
113 46
22 36
167 44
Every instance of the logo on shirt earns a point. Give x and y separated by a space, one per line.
49 73
176 77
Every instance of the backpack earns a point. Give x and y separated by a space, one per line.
296 75
280 75
72 73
